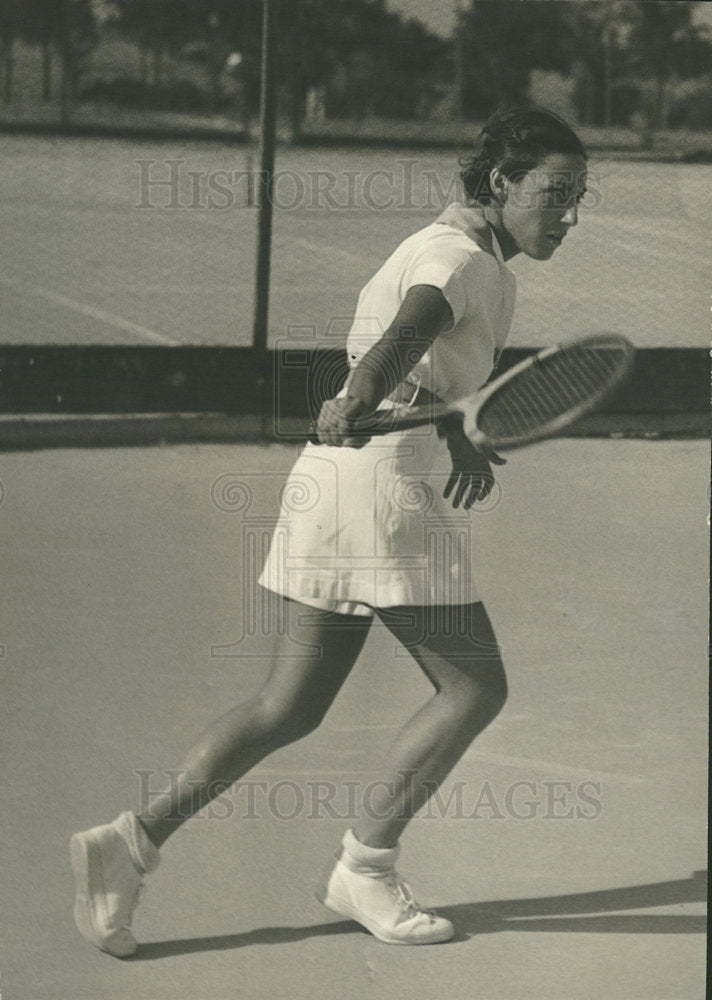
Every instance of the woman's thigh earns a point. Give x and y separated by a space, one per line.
455 646
313 657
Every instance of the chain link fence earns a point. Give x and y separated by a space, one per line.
147 235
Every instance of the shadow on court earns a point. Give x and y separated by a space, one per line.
495 916
549 913
226 942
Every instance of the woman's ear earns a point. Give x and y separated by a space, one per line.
499 185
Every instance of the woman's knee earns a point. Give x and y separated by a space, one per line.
481 691
281 723
497 690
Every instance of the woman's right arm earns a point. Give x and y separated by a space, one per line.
423 314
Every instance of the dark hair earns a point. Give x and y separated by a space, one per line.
516 141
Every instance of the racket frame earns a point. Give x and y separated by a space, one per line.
471 406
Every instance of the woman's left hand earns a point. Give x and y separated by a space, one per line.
471 478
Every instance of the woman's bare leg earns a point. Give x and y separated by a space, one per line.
301 686
457 650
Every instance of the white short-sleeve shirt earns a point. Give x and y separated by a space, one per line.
478 286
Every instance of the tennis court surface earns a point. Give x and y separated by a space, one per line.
567 845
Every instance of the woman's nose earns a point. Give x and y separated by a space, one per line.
570 216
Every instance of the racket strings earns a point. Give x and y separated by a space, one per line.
552 388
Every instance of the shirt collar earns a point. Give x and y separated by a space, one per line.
470 219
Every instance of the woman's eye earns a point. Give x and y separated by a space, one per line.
555 197
561 198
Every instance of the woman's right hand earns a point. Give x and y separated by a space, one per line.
336 425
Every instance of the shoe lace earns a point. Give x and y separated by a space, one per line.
405 898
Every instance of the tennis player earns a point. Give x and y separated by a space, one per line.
379 536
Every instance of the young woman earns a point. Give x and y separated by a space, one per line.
377 537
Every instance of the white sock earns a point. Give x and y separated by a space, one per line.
359 857
144 854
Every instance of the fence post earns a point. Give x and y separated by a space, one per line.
268 108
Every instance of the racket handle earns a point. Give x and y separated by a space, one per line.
388 421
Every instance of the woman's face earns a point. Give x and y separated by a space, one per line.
538 209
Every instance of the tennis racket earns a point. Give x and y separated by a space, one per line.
537 398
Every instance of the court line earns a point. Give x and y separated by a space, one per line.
315 772
561 769
92 312
362 728
635 246
330 251
558 766
210 220
324 249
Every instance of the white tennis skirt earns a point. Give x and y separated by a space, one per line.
369 528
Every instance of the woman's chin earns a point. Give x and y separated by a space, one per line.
540 252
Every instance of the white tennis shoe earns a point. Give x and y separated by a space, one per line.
368 889
109 863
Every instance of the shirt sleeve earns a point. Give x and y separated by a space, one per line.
456 272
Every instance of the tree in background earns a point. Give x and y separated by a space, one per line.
157 27
621 59
616 51
626 54
69 26
11 20
502 41
201 32
665 46
368 59
72 26
596 39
